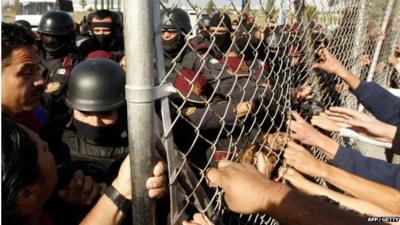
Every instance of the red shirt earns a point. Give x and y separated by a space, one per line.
30 120
45 219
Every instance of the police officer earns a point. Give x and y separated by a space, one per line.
246 42
183 63
209 97
96 136
97 129
175 28
106 28
59 55
220 30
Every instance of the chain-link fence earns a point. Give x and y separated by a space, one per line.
236 69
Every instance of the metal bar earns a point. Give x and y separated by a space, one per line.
139 51
378 48
379 44
359 39
246 6
165 115
393 39
102 4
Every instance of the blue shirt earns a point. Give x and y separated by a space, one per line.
372 169
380 102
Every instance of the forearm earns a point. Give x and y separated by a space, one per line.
105 212
349 78
327 145
389 132
375 170
377 194
347 201
298 208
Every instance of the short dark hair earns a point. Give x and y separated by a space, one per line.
13 37
19 167
103 13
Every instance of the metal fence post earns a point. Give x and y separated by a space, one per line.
392 38
378 48
359 38
165 114
375 58
246 6
138 33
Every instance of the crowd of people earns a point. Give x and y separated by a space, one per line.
242 93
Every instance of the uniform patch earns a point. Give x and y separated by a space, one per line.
61 71
232 54
52 87
243 67
188 111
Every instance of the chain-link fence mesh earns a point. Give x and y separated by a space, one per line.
234 97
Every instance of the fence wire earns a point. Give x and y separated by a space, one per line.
233 99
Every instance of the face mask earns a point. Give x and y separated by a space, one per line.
98 134
52 44
105 40
173 45
223 41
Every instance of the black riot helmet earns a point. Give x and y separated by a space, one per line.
96 85
221 20
56 23
176 18
23 23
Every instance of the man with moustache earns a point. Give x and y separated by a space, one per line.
22 86
22 83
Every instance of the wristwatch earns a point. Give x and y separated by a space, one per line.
118 199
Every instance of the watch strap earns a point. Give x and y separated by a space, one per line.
118 199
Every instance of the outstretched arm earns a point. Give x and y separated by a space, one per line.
330 64
345 158
306 186
377 194
374 97
247 191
